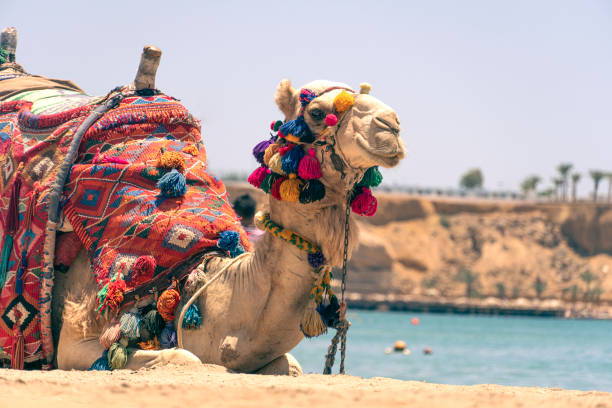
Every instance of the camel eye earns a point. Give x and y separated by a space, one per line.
317 114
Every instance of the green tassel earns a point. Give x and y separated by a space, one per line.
371 178
193 319
266 185
153 322
7 248
101 296
117 356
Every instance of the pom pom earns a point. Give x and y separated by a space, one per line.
331 120
172 184
117 356
312 325
297 128
191 149
130 324
270 151
193 319
276 164
114 294
290 189
101 364
153 322
171 160
343 101
317 259
230 241
371 178
269 181
275 125
110 334
309 167
291 160
143 270
364 203
365 88
168 336
258 176
312 191
275 189
168 301
260 149
306 95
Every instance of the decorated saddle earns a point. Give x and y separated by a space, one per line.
128 173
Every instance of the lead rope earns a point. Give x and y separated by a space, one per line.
343 325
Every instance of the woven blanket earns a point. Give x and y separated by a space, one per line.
112 200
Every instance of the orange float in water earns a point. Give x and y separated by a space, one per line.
427 351
399 345
415 321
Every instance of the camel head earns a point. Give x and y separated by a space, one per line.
332 141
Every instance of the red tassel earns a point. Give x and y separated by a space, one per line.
13 212
275 190
17 351
29 215
309 167
364 203
258 176
143 270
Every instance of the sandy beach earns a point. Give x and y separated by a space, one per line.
207 385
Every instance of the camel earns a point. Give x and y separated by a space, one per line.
252 312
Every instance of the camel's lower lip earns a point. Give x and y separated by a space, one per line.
388 158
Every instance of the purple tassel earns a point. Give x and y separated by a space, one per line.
260 149
317 259
168 336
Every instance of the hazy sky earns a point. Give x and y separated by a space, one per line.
514 87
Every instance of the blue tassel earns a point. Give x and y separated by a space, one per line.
228 240
291 160
172 184
130 324
23 265
297 127
192 319
168 336
4 258
101 364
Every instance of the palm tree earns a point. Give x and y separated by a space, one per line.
564 169
540 286
575 180
609 177
558 187
470 279
530 184
596 175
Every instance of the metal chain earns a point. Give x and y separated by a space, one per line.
343 325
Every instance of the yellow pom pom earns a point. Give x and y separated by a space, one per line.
191 149
290 189
343 101
270 151
275 164
171 160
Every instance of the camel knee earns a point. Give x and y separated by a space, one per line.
283 365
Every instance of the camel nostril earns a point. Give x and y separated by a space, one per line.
388 121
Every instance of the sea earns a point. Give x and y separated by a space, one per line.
472 349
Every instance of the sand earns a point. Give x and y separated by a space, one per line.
191 387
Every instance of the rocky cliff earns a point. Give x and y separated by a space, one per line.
451 248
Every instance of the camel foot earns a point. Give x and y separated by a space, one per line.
284 365
157 358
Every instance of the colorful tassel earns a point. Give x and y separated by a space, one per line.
270 151
275 189
306 95
172 184
193 319
7 248
143 270
168 301
17 350
330 314
258 176
101 364
12 223
276 164
312 325
309 167
276 125
291 161
110 334
23 266
130 324
230 241
260 149
269 181
117 356
312 190
168 336
153 323
290 189
343 101
316 259
364 203
171 160
283 150
371 178
294 130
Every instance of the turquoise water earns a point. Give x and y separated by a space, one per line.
523 351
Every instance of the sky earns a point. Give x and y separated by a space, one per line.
512 87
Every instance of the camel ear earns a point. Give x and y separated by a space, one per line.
286 99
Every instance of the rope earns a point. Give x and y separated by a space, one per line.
179 329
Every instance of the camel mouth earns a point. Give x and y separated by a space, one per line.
383 154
